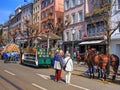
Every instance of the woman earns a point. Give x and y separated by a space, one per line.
58 65
69 67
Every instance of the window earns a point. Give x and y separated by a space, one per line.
80 34
118 4
81 16
80 2
73 18
73 3
67 34
51 1
67 4
119 28
43 4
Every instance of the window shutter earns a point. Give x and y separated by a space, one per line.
76 17
76 2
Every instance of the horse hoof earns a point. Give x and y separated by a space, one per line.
102 79
113 78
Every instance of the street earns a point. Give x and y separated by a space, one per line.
14 76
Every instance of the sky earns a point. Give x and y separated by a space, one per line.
8 7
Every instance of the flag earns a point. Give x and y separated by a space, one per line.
25 0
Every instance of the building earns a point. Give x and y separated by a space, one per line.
14 24
95 26
26 15
74 12
18 23
115 38
52 13
5 33
36 13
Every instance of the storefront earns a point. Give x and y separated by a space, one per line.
99 45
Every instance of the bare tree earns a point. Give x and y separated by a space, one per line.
60 25
1 32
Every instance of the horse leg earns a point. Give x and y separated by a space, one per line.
99 72
90 73
104 73
115 69
93 71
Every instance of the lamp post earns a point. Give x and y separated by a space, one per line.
48 40
36 42
73 32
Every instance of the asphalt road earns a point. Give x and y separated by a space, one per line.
19 77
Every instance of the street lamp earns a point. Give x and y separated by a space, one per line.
36 42
73 32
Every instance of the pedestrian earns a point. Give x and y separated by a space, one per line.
58 65
68 64
5 57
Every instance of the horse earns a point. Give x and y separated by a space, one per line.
114 63
101 61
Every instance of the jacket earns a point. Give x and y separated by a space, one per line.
69 65
58 64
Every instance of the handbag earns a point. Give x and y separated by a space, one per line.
65 64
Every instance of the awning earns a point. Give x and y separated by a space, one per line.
91 42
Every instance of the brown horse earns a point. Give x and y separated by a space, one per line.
114 62
79 58
101 61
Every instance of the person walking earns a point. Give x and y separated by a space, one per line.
58 65
68 63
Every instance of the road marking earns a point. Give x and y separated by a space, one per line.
43 76
79 87
38 86
9 72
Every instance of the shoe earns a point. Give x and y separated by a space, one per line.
59 81
55 80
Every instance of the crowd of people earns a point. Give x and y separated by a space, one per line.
62 62
10 56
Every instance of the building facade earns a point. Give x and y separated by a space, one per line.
17 23
36 13
74 12
95 26
52 13
115 38
26 15
14 24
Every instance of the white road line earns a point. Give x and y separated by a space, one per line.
43 76
38 86
9 72
79 87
